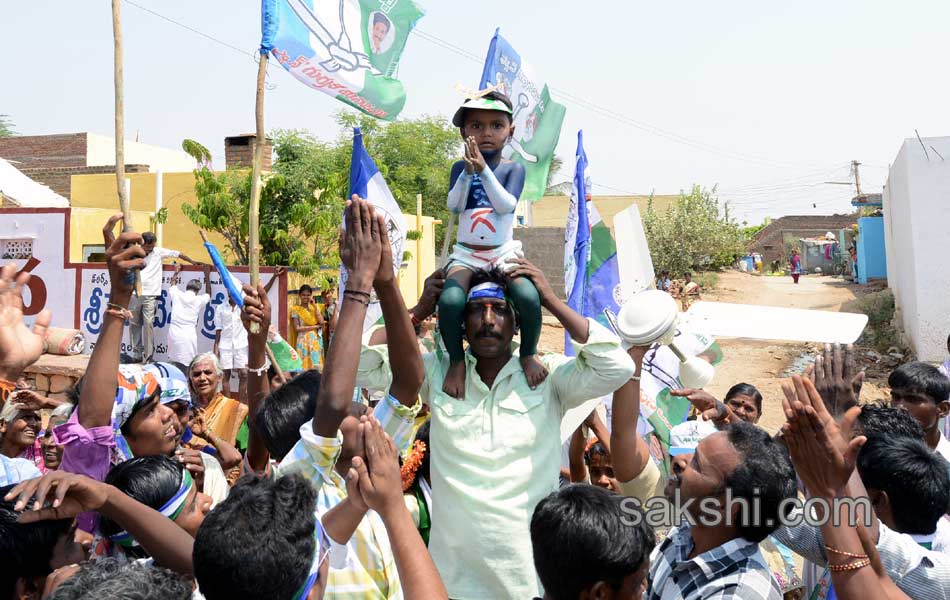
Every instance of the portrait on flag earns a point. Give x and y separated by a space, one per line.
348 49
537 118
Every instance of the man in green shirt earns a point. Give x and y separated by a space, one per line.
497 451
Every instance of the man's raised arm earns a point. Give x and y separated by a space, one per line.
406 363
360 254
123 256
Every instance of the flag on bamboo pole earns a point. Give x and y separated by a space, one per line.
349 49
536 117
367 182
591 276
229 282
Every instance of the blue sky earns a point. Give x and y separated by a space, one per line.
767 100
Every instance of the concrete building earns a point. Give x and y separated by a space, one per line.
777 239
917 242
54 159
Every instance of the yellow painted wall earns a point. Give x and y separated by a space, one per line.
85 227
99 191
551 211
94 198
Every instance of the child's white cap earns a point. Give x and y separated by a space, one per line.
481 104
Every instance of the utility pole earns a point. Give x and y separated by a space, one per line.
857 177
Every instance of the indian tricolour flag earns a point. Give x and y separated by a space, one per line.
348 49
367 182
537 117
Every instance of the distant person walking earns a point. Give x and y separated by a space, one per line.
796 263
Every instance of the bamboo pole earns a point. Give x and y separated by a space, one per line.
253 222
120 128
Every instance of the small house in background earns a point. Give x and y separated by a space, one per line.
870 252
821 255
776 240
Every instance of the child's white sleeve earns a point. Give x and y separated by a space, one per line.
459 192
501 199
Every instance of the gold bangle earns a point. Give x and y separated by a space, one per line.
843 553
850 566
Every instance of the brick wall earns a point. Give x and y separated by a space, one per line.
45 151
544 246
59 178
239 152
770 242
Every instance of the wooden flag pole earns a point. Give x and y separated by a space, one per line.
120 129
253 222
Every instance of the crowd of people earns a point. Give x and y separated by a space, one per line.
395 463
153 483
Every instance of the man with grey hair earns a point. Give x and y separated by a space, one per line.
142 306
187 307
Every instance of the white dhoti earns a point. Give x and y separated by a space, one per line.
182 344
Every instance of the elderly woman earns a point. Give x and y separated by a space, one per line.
19 433
215 413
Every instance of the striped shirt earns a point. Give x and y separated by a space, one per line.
367 570
735 569
920 573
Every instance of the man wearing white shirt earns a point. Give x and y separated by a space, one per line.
143 305
923 391
187 307
230 346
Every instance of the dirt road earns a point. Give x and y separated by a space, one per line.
763 364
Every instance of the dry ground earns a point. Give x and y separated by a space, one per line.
764 364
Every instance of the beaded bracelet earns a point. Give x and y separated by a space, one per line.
850 566
843 553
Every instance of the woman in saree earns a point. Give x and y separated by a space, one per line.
307 329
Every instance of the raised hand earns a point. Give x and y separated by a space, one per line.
19 345
834 378
822 449
475 155
467 156
124 255
257 309
361 245
67 494
431 291
386 273
380 481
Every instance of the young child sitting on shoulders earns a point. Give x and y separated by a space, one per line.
484 193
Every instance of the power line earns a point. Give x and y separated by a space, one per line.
572 98
192 29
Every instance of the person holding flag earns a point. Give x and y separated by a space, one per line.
485 192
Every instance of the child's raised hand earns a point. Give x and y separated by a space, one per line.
467 156
475 155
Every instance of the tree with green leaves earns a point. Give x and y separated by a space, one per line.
302 199
6 126
694 233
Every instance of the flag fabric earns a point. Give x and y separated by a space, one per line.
536 117
659 375
367 182
349 49
234 289
591 276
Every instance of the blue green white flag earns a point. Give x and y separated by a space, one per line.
348 49
537 118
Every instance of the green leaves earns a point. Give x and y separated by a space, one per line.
695 233
6 126
302 200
